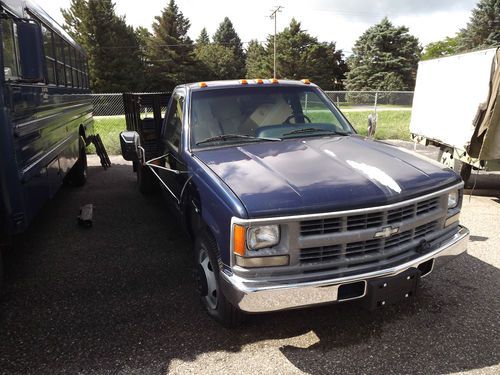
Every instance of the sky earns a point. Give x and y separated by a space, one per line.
340 21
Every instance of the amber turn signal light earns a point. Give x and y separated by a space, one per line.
239 234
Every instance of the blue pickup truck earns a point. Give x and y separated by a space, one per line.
288 206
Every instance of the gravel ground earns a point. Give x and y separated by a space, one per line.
119 298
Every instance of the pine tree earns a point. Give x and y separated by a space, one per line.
385 57
257 61
218 61
326 66
299 55
203 38
105 36
227 36
171 52
483 29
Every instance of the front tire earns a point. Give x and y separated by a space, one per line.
208 282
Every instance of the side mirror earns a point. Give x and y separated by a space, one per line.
130 142
30 50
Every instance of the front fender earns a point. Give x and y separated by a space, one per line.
218 204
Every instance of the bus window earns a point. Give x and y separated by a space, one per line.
59 44
74 64
50 62
85 75
67 60
10 65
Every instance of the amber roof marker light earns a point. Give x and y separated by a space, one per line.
243 82
305 81
259 81
202 84
273 81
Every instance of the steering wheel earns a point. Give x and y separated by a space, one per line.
287 121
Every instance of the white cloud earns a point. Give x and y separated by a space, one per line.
330 20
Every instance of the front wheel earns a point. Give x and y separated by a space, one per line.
208 282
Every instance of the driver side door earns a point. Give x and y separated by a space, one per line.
171 141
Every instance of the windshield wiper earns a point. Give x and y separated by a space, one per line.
228 137
315 130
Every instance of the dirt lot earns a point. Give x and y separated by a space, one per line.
119 298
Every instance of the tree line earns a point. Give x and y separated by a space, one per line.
482 31
122 58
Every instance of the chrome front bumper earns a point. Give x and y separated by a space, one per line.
256 297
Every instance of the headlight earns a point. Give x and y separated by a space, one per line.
453 199
264 236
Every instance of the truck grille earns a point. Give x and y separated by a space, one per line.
358 253
356 243
371 220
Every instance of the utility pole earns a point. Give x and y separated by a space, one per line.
273 16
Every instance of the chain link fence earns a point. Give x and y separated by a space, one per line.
371 99
393 110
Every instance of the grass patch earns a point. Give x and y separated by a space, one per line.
109 128
391 124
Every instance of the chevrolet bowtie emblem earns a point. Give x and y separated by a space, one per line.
386 232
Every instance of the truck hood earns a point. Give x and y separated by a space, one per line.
302 176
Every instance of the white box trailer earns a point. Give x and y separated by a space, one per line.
456 107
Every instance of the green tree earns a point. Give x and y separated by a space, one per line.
143 36
112 47
326 66
203 38
171 57
483 29
300 55
257 61
441 48
218 61
385 57
227 36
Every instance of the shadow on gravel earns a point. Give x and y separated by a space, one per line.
120 297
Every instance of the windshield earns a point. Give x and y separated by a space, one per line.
266 113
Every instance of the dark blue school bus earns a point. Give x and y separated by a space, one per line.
45 113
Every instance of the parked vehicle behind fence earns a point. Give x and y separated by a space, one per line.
45 117
289 207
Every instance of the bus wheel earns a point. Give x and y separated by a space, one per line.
77 176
